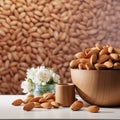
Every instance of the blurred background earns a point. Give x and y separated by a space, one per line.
49 33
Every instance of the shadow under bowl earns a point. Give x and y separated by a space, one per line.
99 87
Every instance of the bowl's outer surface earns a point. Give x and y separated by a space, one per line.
100 87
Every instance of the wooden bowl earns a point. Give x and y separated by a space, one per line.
100 87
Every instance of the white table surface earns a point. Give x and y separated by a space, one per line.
7 111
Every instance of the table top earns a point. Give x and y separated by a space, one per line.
7 111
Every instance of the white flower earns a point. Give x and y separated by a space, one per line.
56 77
40 76
31 73
27 86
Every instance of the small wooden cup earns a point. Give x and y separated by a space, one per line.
65 94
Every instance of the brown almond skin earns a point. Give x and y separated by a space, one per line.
30 95
103 58
46 105
93 108
28 106
114 56
36 99
55 104
50 100
80 55
49 95
108 64
37 105
27 100
77 105
117 65
74 63
41 100
99 66
17 102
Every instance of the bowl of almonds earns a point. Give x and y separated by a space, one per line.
96 75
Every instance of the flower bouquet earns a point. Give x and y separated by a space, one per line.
40 80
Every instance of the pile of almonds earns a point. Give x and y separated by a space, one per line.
100 57
47 101
50 32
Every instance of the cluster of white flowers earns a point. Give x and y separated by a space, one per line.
40 76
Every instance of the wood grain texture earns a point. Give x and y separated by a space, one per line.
65 94
100 87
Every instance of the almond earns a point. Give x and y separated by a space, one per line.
36 99
50 100
110 49
41 100
89 66
77 105
37 105
93 59
98 46
28 99
92 51
74 63
93 108
103 51
55 104
50 96
17 102
117 50
99 66
103 58
84 60
80 55
114 56
46 105
28 106
108 64
30 95
81 66
116 65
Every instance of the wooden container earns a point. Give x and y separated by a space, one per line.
65 94
100 87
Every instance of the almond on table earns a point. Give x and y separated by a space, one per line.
17 102
93 108
28 106
77 105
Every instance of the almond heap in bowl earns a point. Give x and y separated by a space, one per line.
100 57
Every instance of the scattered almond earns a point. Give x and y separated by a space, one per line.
93 108
36 99
46 105
17 102
50 100
77 105
41 100
55 104
28 106
30 95
28 99
37 105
